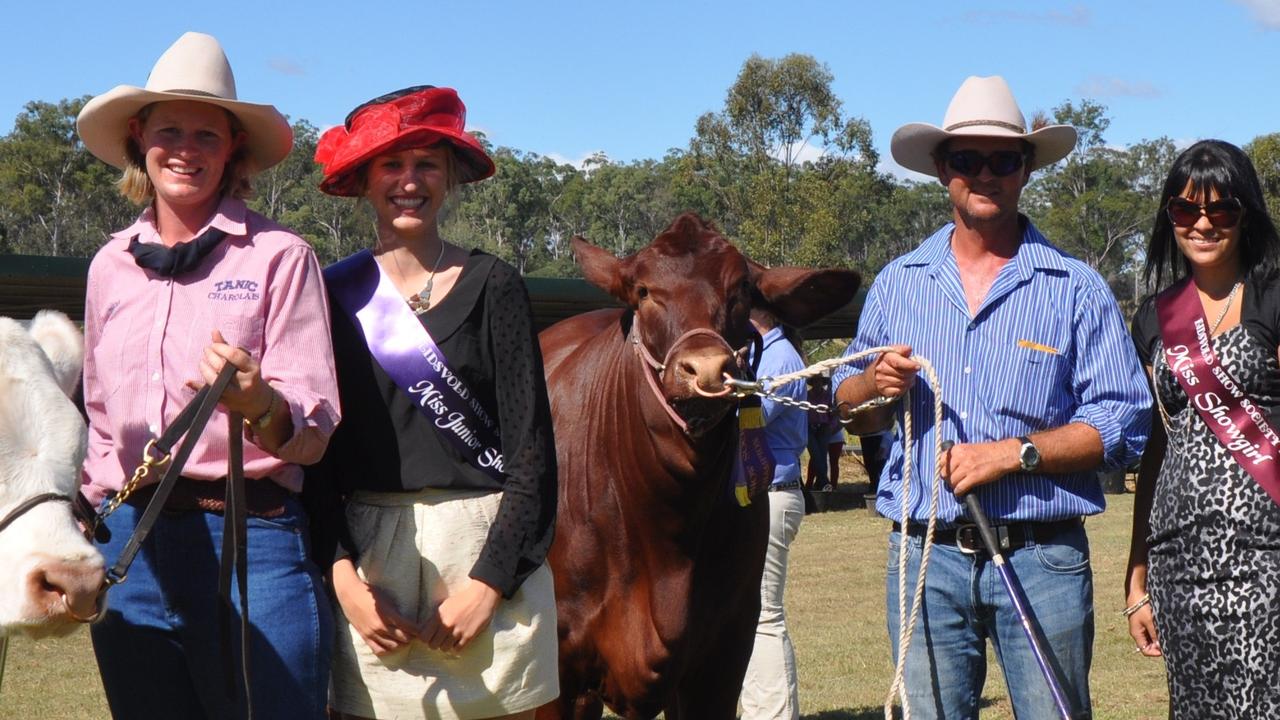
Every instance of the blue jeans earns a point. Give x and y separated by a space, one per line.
965 603
159 647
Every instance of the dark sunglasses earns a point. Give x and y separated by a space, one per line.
1223 213
969 162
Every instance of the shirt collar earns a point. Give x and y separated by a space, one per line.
774 334
229 217
1034 252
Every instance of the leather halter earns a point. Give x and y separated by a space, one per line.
655 368
82 511
30 504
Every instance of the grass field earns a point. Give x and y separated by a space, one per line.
835 609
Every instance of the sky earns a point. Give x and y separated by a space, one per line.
630 79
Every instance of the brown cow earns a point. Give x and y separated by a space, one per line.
657 569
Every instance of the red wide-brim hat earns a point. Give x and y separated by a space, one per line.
419 118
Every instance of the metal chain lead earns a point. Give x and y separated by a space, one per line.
764 386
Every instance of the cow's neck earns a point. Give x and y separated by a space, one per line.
696 469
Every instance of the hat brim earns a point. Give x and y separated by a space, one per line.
473 162
103 125
913 144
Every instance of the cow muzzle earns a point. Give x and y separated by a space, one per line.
68 588
695 396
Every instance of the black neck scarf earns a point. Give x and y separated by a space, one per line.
176 260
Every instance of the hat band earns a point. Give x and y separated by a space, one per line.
994 123
201 93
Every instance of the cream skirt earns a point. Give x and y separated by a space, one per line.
415 547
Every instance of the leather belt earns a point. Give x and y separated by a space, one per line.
785 485
1011 536
263 498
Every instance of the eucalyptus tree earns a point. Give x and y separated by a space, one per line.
780 116
55 197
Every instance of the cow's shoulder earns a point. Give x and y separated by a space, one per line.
569 335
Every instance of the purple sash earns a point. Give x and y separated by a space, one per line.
402 346
1222 403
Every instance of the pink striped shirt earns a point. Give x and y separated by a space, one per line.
145 336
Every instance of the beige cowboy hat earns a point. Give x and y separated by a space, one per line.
982 107
193 68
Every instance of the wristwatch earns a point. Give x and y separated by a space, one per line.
1028 455
264 420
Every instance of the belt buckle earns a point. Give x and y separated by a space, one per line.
967 539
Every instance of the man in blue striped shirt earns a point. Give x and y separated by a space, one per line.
1041 387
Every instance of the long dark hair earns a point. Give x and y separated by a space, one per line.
1221 166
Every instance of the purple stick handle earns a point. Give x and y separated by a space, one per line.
1029 626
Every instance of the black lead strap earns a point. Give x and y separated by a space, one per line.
191 423
234 552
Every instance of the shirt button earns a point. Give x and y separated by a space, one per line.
968 370
973 325
152 428
963 416
155 376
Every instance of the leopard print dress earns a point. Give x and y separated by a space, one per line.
1214 558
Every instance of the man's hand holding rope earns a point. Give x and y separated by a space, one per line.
969 465
890 375
894 372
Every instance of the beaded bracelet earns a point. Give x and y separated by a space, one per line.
1146 600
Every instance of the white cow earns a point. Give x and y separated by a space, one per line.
49 573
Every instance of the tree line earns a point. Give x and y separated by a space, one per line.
783 168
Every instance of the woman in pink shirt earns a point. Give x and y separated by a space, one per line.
199 281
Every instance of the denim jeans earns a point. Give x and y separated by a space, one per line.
965 603
817 471
159 646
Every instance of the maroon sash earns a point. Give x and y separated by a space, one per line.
1240 425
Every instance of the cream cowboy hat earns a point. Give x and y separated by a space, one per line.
193 68
982 107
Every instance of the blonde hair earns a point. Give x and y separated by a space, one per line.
136 186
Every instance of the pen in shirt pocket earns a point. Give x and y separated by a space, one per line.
1028 344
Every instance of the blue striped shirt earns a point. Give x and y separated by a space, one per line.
1047 347
786 427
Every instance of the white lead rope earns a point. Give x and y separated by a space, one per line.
765 386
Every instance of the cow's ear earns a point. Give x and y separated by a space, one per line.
599 267
801 296
63 344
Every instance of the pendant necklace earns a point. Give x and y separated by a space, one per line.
1221 315
420 301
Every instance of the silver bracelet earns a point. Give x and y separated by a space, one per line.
1145 601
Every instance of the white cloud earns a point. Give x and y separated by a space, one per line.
802 152
579 162
1098 86
1265 12
285 66
887 165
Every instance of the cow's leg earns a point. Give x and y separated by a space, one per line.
573 706
702 697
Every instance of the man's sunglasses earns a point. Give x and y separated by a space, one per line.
969 162
1223 213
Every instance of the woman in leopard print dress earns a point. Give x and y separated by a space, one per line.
1206 536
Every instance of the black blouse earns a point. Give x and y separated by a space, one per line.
1259 314
484 328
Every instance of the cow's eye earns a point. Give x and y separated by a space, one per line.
642 292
